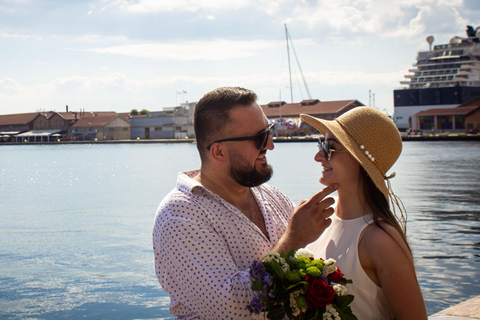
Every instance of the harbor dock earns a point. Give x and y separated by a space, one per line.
467 310
309 138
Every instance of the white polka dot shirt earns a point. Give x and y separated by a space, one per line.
204 246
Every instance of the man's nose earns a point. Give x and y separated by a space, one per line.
270 145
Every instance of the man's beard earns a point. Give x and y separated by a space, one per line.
249 177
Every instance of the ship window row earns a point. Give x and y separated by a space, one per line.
436 66
426 84
425 79
449 53
436 72
443 67
442 61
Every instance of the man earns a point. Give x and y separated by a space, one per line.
220 218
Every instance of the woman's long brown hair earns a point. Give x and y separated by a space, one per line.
377 202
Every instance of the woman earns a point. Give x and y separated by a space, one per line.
365 237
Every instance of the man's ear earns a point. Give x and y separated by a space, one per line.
218 152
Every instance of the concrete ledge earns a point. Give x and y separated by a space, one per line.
466 310
439 316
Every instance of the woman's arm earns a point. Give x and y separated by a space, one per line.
387 261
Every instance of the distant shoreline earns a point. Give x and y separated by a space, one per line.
438 137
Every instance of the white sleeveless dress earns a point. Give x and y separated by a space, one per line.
340 242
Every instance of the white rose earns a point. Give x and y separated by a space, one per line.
303 253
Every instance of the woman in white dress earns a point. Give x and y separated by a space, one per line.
366 237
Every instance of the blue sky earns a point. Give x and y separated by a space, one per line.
118 55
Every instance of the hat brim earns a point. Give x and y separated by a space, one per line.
352 146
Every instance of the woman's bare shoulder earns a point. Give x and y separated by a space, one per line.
384 240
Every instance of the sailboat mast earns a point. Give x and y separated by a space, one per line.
287 38
289 70
300 69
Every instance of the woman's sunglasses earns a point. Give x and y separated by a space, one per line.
261 138
325 146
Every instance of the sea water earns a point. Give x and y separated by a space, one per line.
76 222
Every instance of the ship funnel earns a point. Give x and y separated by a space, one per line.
430 40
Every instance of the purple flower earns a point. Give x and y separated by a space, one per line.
256 305
258 270
260 273
267 279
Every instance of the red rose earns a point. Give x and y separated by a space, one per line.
319 294
336 276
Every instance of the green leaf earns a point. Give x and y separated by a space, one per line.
277 269
342 302
276 313
297 286
345 314
257 286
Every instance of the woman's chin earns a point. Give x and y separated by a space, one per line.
325 181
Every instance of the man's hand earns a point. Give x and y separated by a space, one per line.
308 222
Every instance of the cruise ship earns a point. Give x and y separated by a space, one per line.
443 77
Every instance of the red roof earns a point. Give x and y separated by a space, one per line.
125 115
19 118
445 111
472 103
312 107
95 119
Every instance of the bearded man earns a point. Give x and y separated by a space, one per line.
210 228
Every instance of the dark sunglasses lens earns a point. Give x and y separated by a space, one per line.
262 138
326 148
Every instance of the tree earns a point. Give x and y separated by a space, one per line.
134 112
145 112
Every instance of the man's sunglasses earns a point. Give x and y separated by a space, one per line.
261 138
325 146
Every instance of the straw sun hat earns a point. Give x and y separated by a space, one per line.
370 136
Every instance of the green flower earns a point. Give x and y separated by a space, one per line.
303 262
314 271
317 263
301 302
293 276
302 273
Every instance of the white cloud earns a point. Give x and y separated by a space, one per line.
8 85
20 36
386 19
355 77
214 50
145 6
98 38
93 92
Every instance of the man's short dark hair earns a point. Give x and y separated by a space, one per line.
212 113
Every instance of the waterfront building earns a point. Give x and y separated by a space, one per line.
445 77
38 126
464 118
13 124
171 123
286 116
100 126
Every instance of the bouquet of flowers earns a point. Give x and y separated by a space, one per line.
300 287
